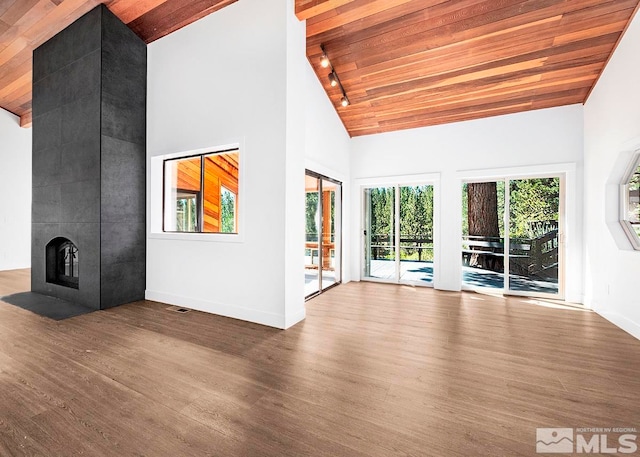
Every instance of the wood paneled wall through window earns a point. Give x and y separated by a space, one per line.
220 171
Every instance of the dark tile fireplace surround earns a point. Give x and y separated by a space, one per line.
89 193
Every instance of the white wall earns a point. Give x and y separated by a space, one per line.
294 216
241 76
221 80
327 142
612 133
518 144
327 151
15 188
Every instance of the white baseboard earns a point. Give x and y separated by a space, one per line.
296 317
11 267
573 296
626 324
235 312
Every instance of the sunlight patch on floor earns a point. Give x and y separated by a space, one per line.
556 304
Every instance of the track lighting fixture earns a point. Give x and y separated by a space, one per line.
334 81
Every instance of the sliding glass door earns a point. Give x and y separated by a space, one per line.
380 233
483 234
522 218
534 224
312 236
398 234
323 211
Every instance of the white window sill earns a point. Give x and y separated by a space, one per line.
208 237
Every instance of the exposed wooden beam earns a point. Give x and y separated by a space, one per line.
173 15
353 15
26 120
128 11
306 9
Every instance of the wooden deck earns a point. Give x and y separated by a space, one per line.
312 281
421 273
413 271
374 370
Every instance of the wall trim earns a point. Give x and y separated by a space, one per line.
517 172
155 194
232 311
359 184
408 180
626 324
329 172
294 318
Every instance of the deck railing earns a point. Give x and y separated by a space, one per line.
527 257
412 247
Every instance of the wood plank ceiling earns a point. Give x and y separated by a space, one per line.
402 63
26 24
414 63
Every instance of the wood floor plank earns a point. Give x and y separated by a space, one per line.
374 370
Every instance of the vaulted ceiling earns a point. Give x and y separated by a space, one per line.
402 63
26 24
414 63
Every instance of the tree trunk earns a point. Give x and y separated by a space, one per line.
482 210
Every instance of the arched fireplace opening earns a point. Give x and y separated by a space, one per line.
63 264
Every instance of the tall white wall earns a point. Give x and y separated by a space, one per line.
612 133
223 80
15 188
327 143
536 141
294 216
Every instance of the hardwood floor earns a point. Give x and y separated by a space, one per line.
374 370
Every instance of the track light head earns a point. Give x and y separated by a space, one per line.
344 101
333 79
324 60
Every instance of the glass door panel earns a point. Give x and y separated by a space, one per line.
312 248
534 218
483 209
416 234
380 233
330 236
323 236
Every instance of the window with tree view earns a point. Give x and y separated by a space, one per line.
511 234
630 217
201 193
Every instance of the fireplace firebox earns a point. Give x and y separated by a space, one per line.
63 263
